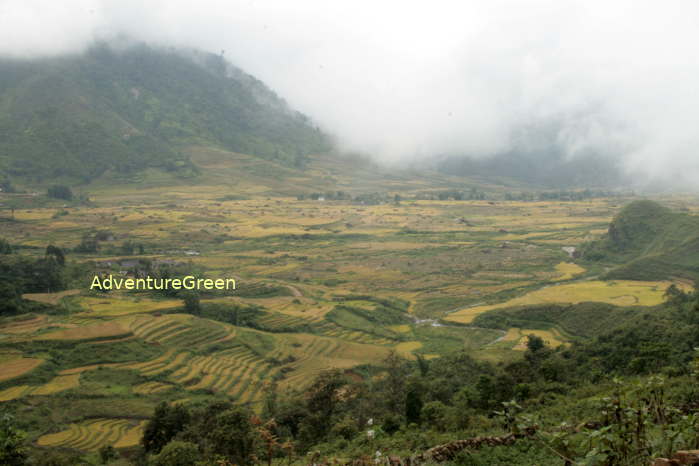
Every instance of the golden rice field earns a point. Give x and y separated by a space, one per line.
149 388
87 332
57 384
115 305
620 292
96 433
17 366
24 326
407 348
567 271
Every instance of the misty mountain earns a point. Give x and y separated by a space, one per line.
124 110
538 155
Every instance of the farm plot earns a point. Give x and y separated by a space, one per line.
94 434
122 305
149 388
24 326
238 372
181 330
57 384
308 355
567 271
87 332
621 293
17 366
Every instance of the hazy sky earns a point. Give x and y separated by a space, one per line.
404 79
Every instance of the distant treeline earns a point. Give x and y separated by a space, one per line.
471 194
563 195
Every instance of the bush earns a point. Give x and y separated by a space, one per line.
177 453
60 192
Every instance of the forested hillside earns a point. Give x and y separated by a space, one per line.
124 110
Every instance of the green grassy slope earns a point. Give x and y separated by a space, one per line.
650 242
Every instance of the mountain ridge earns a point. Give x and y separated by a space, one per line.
80 116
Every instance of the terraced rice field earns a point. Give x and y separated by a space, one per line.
242 373
87 332
567 271
313 354
124 305
237 372
407 348
621 293
57 384
280 322
24 326
180 330
96 433
18 366
14 392
149 388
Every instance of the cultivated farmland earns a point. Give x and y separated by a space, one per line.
322 285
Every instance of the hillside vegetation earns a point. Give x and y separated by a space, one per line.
125 110
650 242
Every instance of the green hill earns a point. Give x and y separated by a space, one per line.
649 242
126 110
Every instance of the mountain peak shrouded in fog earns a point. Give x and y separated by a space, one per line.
415 80
129 108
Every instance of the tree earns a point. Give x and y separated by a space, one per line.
322 402
12 449
167 421
535 343
191 302
434 413
395 381
177 453
224 429
60 192
413 405
391 424
10 301
5 247
88 244
107 454
56 253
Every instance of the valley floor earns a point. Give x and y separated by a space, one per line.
334 284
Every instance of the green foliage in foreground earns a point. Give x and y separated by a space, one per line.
12 450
